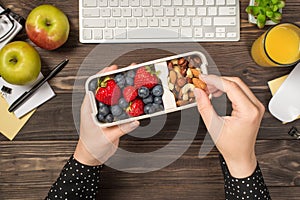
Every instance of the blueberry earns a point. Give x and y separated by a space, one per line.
149 99
123 103
158 107
116 110
93 84
129 80
100 117
100 104
109 118
130 74
103 109
158 100
122 116
143 92
120 80
158 90
147 107
152 109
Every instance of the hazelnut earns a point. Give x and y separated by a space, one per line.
181 82
181 61
183 71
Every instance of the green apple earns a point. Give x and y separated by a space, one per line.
47 27
20 63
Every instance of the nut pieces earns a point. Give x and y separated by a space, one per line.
184 78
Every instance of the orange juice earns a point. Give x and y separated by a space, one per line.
279 46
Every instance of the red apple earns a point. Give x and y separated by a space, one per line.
20 63
47 27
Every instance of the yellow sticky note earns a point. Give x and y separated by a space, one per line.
275 84
10 125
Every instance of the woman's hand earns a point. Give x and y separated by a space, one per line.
234 135
96 145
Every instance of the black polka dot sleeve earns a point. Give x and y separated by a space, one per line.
76 181
252 187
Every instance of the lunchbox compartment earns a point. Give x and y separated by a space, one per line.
177 94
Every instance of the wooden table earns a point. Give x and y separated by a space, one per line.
31 163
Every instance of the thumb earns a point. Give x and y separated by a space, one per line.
211 119
128 127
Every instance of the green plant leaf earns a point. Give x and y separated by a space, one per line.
274 1
269 14
275 8
261 20
277 16
281 4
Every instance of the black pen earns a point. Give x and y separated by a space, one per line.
23 98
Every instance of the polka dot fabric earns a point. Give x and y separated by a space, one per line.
76 181
252 187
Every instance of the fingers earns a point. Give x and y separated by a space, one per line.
236 95
212 121
115 132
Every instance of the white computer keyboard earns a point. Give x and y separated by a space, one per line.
131 21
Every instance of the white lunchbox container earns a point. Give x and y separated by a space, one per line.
168 97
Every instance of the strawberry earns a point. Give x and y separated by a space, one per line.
109 92
130 93
136 108
145 77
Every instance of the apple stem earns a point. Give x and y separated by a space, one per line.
13 60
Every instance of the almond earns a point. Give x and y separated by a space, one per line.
199 84
181 103
195 72
173 77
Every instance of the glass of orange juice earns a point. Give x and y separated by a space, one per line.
279 46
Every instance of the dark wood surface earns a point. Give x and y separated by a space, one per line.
32 161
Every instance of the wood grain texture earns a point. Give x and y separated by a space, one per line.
32 162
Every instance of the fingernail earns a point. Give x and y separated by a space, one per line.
134 124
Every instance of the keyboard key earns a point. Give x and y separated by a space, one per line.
185 22
199 2
212 11
126 12
114 3
201 11
134 3
108 34
180 12
116 12
90 3
98 34
121 22
156 2
177 2
191 12
175 22
209 35
91 12
148 12
186 33
145 2
209 2
225 21
87 34
220 30
170 12
147 33
196 21
111 23
124 3
227 11
105 12
220 35
132 22
164 22
207 21
120 33
166 2
137 12
143 22
231 34
158 12
231 2
220 2
103 3
198 32
94 23
153 22
188 2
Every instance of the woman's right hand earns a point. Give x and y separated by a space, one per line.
234 135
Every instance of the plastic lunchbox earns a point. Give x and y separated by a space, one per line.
178 75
